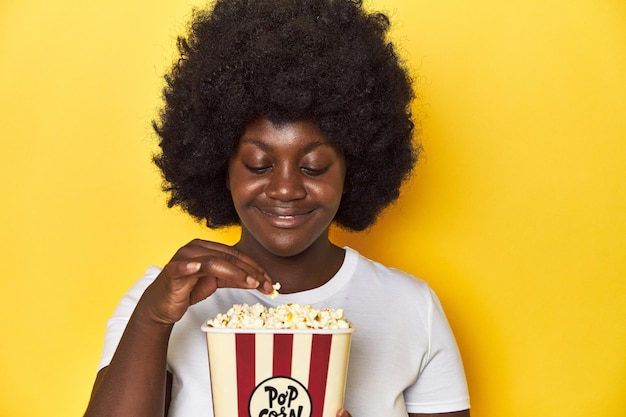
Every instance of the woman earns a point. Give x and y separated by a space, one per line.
283 117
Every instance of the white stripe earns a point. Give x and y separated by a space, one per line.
264 357
301 358
337 370
223 366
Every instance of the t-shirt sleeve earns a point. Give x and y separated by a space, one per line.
441 386
117 323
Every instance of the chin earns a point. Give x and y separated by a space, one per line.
287 247
285 251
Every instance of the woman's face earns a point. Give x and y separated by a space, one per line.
286 183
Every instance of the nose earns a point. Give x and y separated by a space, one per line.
285 184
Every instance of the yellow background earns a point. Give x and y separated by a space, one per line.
515 216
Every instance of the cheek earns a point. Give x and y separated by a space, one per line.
328 194
243 190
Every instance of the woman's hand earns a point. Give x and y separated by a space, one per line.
465 413
193 274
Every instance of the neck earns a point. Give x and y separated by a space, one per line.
309 269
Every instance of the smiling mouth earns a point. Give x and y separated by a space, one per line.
283 219
284 213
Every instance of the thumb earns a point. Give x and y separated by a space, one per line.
343 413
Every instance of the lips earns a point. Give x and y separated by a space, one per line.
285 217
284 211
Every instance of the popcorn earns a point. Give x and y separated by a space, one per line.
318 341
285 316
274 293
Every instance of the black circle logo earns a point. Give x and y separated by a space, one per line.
280 396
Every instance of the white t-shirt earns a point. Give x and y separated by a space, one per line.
403 357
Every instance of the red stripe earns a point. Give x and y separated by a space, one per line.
283 349
320 353
244 346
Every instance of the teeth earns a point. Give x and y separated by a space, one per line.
280 216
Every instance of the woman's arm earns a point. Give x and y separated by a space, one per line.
135 383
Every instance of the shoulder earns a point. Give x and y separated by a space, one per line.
380 288
387 278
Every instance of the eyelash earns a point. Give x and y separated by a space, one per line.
312 172
258 170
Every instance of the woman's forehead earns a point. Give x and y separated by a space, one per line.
264 133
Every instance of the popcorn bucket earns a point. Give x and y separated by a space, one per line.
287 373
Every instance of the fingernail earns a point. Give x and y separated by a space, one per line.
253 283
193 266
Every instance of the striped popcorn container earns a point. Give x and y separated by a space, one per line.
287 373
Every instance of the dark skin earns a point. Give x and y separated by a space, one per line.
464 413
286 182
136 381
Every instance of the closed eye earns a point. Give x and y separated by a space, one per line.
313 172
259 170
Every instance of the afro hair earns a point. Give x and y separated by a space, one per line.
287 60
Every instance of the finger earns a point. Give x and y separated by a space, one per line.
208 273
200 248
257 278
218 272
230 272
343 413
167 298
187 282
230 251
177 280
242 260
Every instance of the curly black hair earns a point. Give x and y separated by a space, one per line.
287 60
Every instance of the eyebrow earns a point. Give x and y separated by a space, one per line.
306 149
